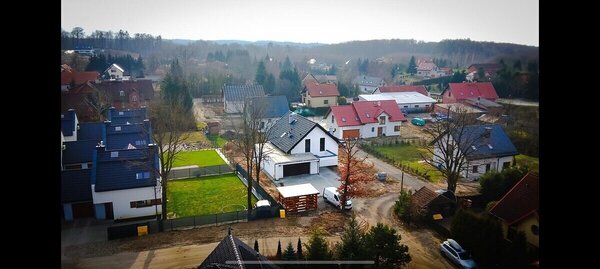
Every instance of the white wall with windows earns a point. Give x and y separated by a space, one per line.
130 203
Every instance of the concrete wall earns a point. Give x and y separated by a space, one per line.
121 200
320 101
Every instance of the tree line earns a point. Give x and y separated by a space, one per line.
134 67
120 40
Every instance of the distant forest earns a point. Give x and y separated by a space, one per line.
211 63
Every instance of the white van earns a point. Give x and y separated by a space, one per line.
330 194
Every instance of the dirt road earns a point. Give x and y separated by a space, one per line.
423 244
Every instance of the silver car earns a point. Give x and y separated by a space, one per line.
458 255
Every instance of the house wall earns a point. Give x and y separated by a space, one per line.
320 101
366 131
234 107
415 107
121 200
525 227
276 170
315 135
448 97
118 74
495 165
328 161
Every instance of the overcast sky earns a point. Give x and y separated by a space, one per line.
323 21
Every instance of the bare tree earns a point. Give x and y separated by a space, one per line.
451 144
354 171
99 104
169 131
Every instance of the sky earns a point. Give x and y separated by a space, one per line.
307 21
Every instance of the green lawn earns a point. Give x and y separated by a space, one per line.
206 195
532 162
410 155
201 158
218 139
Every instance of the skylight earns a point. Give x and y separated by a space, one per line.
344 119
368 116
114 154
490 146
473 147
282 135
118 128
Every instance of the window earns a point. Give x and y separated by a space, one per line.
145 203
416 105
142 175
114 154
382 120
322 144
307 145
325 102
535 229
118 128
121 93
372 129
308 102
487 167
475 169
331 118
121 113
405 106
397 128
426 105
140 142
134 98
262 125
505 165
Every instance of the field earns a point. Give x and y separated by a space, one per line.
206 195
201 158
408 155
533 163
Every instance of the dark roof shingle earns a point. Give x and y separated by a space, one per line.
231 249
496 145
269 106
279 133
238 93
75 185
67 122
80 151
111 172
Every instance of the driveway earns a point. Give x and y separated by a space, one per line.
81 231
327 177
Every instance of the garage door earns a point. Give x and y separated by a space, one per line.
296 169
83 210
354 133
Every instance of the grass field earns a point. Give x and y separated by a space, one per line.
218 139
201 158
410 155
206 195
532 162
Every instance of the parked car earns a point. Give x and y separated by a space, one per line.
458 255
418 121
262 204
331 195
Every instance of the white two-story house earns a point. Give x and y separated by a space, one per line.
298 146
365 119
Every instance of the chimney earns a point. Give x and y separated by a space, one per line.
487 132
378 103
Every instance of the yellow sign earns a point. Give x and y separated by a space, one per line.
437 216
282 213
142 230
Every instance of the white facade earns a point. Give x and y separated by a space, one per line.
367 130
234 107
407 101
115 72
121 201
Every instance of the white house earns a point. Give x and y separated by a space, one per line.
365 119
234 96
367 84
123 185
114 72
485 147
428 69
408 102
298 146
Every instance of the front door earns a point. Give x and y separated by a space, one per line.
379 131
108 207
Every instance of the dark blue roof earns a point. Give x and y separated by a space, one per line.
118 173
131 116
75 185
279 133
138 135
238 93
231 249
269 106
67 122
90 131
79 151
496 145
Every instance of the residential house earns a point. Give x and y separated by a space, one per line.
235 96
84 50
268 109
365 119
232 253
367 84
308 78
129 116
296 146
428 69
485 147
447 71
325 79
519 209
402 88
70 78
125 184
454 109
490 69
460 92
214 127
319 95
428 202
68 125
76 194
408 102
490 107
114 72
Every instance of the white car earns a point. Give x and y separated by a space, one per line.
331 195
458 255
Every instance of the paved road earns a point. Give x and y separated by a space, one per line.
410 181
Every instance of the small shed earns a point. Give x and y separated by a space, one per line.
298 198
214 127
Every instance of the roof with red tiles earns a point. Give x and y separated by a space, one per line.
462 91
423 197
321 90
363 112
404 88
520 201
69 75
428 66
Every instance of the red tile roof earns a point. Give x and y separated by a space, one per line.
356 113
405 88
321 90
520 201
426 66
461 91
68 75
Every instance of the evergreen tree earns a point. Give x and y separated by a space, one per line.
289 254
317 248
287 64
279 255
352 244
269 84
299 250
517 65
383 245
175 88
256 245
332 70
412 66
261 73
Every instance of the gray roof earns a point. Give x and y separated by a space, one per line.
279 133
80 151
75 185
231 249
238 93
271 106
367 81
119 172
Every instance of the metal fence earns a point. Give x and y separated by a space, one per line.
200 221
189 172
